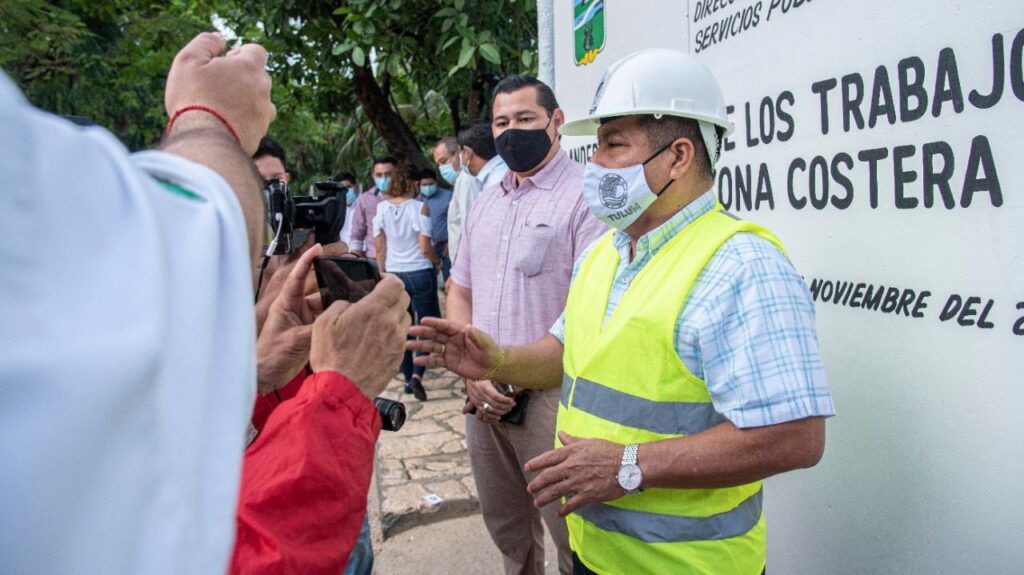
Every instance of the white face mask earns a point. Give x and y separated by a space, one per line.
618 197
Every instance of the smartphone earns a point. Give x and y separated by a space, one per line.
344 279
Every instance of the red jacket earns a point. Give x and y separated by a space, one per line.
305 478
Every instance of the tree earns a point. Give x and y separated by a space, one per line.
381 56
107 61
368 77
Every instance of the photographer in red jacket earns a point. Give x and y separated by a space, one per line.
306 475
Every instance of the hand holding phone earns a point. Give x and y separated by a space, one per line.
344 279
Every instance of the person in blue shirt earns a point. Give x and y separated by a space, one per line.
437 199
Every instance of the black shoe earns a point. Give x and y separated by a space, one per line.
417 389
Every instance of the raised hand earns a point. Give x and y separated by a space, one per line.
235 85
461 348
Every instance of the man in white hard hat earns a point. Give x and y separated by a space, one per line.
687 352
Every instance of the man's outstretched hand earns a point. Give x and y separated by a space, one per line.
461 348
235 85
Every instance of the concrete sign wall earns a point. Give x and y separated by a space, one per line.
882 142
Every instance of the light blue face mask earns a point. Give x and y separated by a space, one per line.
350 196
428 190
383 183
449 173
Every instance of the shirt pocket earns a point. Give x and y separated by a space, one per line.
531 249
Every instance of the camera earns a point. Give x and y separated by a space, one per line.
392 414
293 218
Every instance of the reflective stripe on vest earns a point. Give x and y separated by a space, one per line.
666 417
660 528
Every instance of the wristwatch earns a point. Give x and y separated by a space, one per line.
630 477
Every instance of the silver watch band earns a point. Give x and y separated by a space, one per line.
629 455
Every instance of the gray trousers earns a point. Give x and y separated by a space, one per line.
497 454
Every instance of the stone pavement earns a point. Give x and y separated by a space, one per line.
423 473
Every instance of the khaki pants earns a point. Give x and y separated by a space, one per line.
497 454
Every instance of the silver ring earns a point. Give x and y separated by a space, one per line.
444 346
486 407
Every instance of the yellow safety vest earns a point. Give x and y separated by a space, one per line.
624 382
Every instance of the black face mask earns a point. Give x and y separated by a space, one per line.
524 150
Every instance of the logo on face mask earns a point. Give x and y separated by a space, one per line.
613 191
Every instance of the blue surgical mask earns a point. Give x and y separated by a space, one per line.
428 190
449 173
618 197
350 196
383 183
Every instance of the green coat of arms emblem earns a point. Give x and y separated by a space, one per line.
588 29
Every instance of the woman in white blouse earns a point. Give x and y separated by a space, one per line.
401 230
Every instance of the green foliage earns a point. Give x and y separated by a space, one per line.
107 61
433 60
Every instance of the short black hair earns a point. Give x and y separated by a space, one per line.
345 176
270 147
545 96
477 136
426 173
385 160
667 129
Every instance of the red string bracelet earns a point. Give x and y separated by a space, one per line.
210 111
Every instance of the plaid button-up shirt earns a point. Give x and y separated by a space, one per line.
747 328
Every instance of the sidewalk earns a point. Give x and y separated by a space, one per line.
423 507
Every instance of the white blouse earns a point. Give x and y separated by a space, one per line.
402 224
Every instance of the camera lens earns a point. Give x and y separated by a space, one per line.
392 414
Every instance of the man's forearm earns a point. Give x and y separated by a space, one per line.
726 456
537 365
198 137
459 304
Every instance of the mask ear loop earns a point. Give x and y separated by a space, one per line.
655 155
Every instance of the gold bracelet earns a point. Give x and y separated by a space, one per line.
501 363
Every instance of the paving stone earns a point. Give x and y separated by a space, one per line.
401 447
416 424
446 465
428 456
443 407
450 490
404 499
470 484
440 382
454 446
457 423
392 470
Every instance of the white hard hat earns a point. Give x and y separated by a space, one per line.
658 82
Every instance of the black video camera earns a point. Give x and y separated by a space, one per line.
293 218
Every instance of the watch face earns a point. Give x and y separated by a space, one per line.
630 477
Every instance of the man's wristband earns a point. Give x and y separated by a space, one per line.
199 108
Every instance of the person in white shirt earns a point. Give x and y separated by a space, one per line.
401 231
129 343
348 180
464 191
479 155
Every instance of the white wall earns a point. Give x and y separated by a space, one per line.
924 459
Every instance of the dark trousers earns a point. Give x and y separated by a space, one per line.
578 568
446 263
421 285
